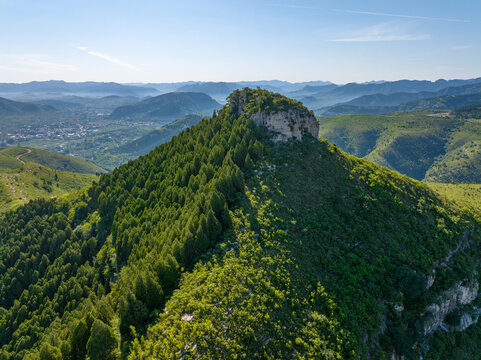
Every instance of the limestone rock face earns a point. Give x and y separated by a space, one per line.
465 322
285 120
450 300
290 124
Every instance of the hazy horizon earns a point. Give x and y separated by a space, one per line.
241 81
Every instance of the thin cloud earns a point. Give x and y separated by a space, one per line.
108 58
8 68
381 32
401 16
373 13
47 65
36 63
462 47
297 6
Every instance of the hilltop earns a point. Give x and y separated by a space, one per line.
242 237
169 106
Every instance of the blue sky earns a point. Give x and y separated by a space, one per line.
296 40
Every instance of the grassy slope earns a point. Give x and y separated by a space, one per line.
465 195
45 174
434 148
32 181
52 160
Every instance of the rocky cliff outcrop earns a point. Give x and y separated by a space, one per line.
285 118
450 301
290 124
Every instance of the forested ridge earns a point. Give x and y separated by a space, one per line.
127 237
221 244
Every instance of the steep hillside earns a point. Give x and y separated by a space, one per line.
9 107
157 137
167 107
237 240
438 147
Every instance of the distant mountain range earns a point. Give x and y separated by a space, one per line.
216 88
210 88
447 98
86 88
321 96
321 100
168 106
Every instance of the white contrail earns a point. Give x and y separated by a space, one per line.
401 16
108 58
373 13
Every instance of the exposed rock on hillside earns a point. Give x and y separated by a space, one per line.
450 301
286 118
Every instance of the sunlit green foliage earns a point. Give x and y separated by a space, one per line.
465 195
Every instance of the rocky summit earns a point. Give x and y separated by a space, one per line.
285 118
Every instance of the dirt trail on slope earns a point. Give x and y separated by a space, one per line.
25 153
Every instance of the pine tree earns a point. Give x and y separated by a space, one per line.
102 342
79 340
49 352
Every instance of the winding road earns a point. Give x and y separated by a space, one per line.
25 153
